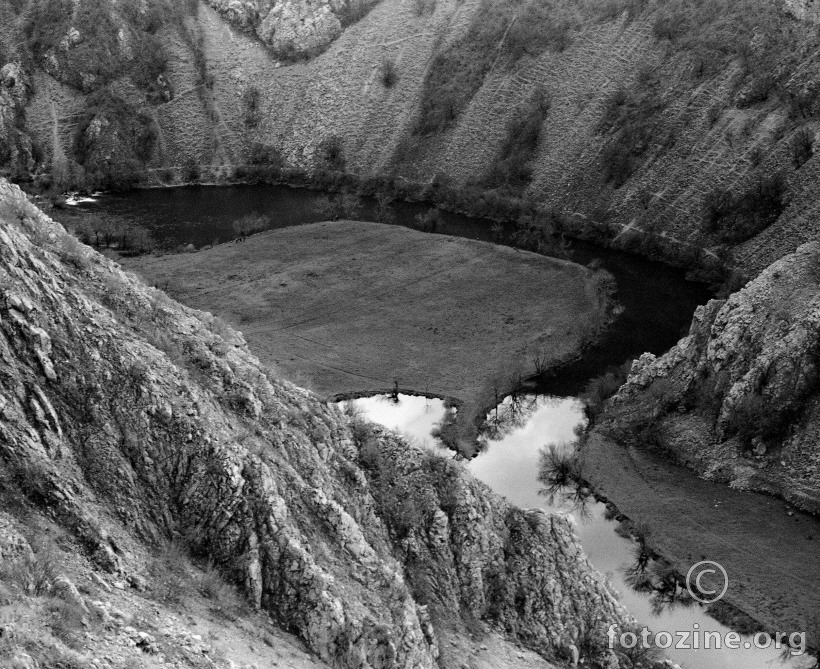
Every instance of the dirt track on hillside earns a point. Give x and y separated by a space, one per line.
355 308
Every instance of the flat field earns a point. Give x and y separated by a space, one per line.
347 308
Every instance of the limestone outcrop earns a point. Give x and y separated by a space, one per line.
807 10
738 398
16 152
293 29
130 420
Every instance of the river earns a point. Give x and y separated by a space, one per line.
656 306
509 465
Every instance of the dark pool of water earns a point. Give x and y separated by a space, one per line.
657 300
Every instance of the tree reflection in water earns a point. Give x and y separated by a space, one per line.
511 414
652 575
561 472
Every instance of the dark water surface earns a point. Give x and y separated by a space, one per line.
657 300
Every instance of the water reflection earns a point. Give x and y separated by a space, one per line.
510 465
561 472
414 416
657 579
511 414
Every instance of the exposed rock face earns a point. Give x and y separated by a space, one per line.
16 157
292 28
807 10
131 417
738 399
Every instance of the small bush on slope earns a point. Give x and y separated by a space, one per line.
512 170
736 217
802 146
388 75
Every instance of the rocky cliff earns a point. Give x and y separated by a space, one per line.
660 127
129 420
738 399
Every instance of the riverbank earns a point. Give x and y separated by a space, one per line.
554 227
348 308
769 551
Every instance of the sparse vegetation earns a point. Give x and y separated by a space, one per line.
113 141
601 388
388 74
752 416
192 35
429 221
630 120
501 35
251 223
73 252
802 146
736 217
191 172
330 154
95 56
424 7
67 622
446 431
337 206
213 586
104 232
355 11
251 106
32 573
384 209
405 500
512 171
170 573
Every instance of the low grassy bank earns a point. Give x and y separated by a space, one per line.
361 307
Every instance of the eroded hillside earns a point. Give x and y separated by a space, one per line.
667 127
129 421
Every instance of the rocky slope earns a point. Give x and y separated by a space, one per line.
738 399
660 130
292 29
128 420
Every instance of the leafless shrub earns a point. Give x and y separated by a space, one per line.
34 573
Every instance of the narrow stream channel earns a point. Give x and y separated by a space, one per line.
509 465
